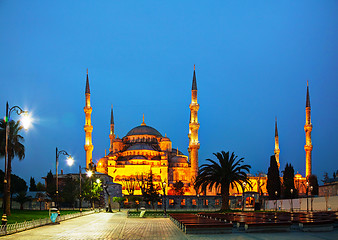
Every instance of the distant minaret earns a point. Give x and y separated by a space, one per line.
193 129
88 128
112 129
277 151
308 129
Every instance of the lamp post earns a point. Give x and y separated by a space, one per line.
80 178
276 193
7 188
70 162
244 184
307 196
311 188
165 200
198 201
291 191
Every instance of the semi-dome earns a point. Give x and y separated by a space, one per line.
144 130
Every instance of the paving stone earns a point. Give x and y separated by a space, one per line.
104 226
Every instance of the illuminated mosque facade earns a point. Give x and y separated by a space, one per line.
144 149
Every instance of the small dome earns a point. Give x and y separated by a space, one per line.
140 146
298 175
144 130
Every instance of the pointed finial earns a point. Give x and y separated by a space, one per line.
165 135
105 152
87 84
194 84
307 95
276 130
111 115
143 123
177 151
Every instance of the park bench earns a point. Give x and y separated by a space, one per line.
276 226
316 225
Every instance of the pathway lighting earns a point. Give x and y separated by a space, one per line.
291 191
276 193
25 121
244 184
58 153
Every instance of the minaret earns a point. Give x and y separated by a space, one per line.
193 129
277 151
308 129
88 128
112 129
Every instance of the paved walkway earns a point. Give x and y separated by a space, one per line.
104 226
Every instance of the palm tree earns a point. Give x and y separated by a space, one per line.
229 172
14 148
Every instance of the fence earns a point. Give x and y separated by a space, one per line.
22 226
303 204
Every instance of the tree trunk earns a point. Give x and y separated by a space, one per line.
8 186
21 206
225 197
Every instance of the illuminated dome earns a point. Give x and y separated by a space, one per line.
144 130
298 175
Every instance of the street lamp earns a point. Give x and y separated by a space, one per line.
307 196
165 200
244 184
276 193
291 190
70 161
7 188
311 188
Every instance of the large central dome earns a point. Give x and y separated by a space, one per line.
144 130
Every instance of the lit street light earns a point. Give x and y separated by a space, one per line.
291 190
165 200
7 194
70 162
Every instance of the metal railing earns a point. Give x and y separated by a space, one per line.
22 226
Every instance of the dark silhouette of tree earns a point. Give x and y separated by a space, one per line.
69 191
227 173
41 197
326 177
129 183
40 187
22 198
14 148
32 185
151 194
18 184
288 182
273 182
313 181
178 188
51 186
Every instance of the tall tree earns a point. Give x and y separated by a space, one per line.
273 183
227 173
313 181
32 185
69 191
14 148
151 193
288 182
51 186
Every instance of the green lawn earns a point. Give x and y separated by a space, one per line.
27 215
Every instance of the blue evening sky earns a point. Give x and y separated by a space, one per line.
252 58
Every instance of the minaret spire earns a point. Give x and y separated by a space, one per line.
88 128
308 129
277 150
194 145
87 84
112 129
143 123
